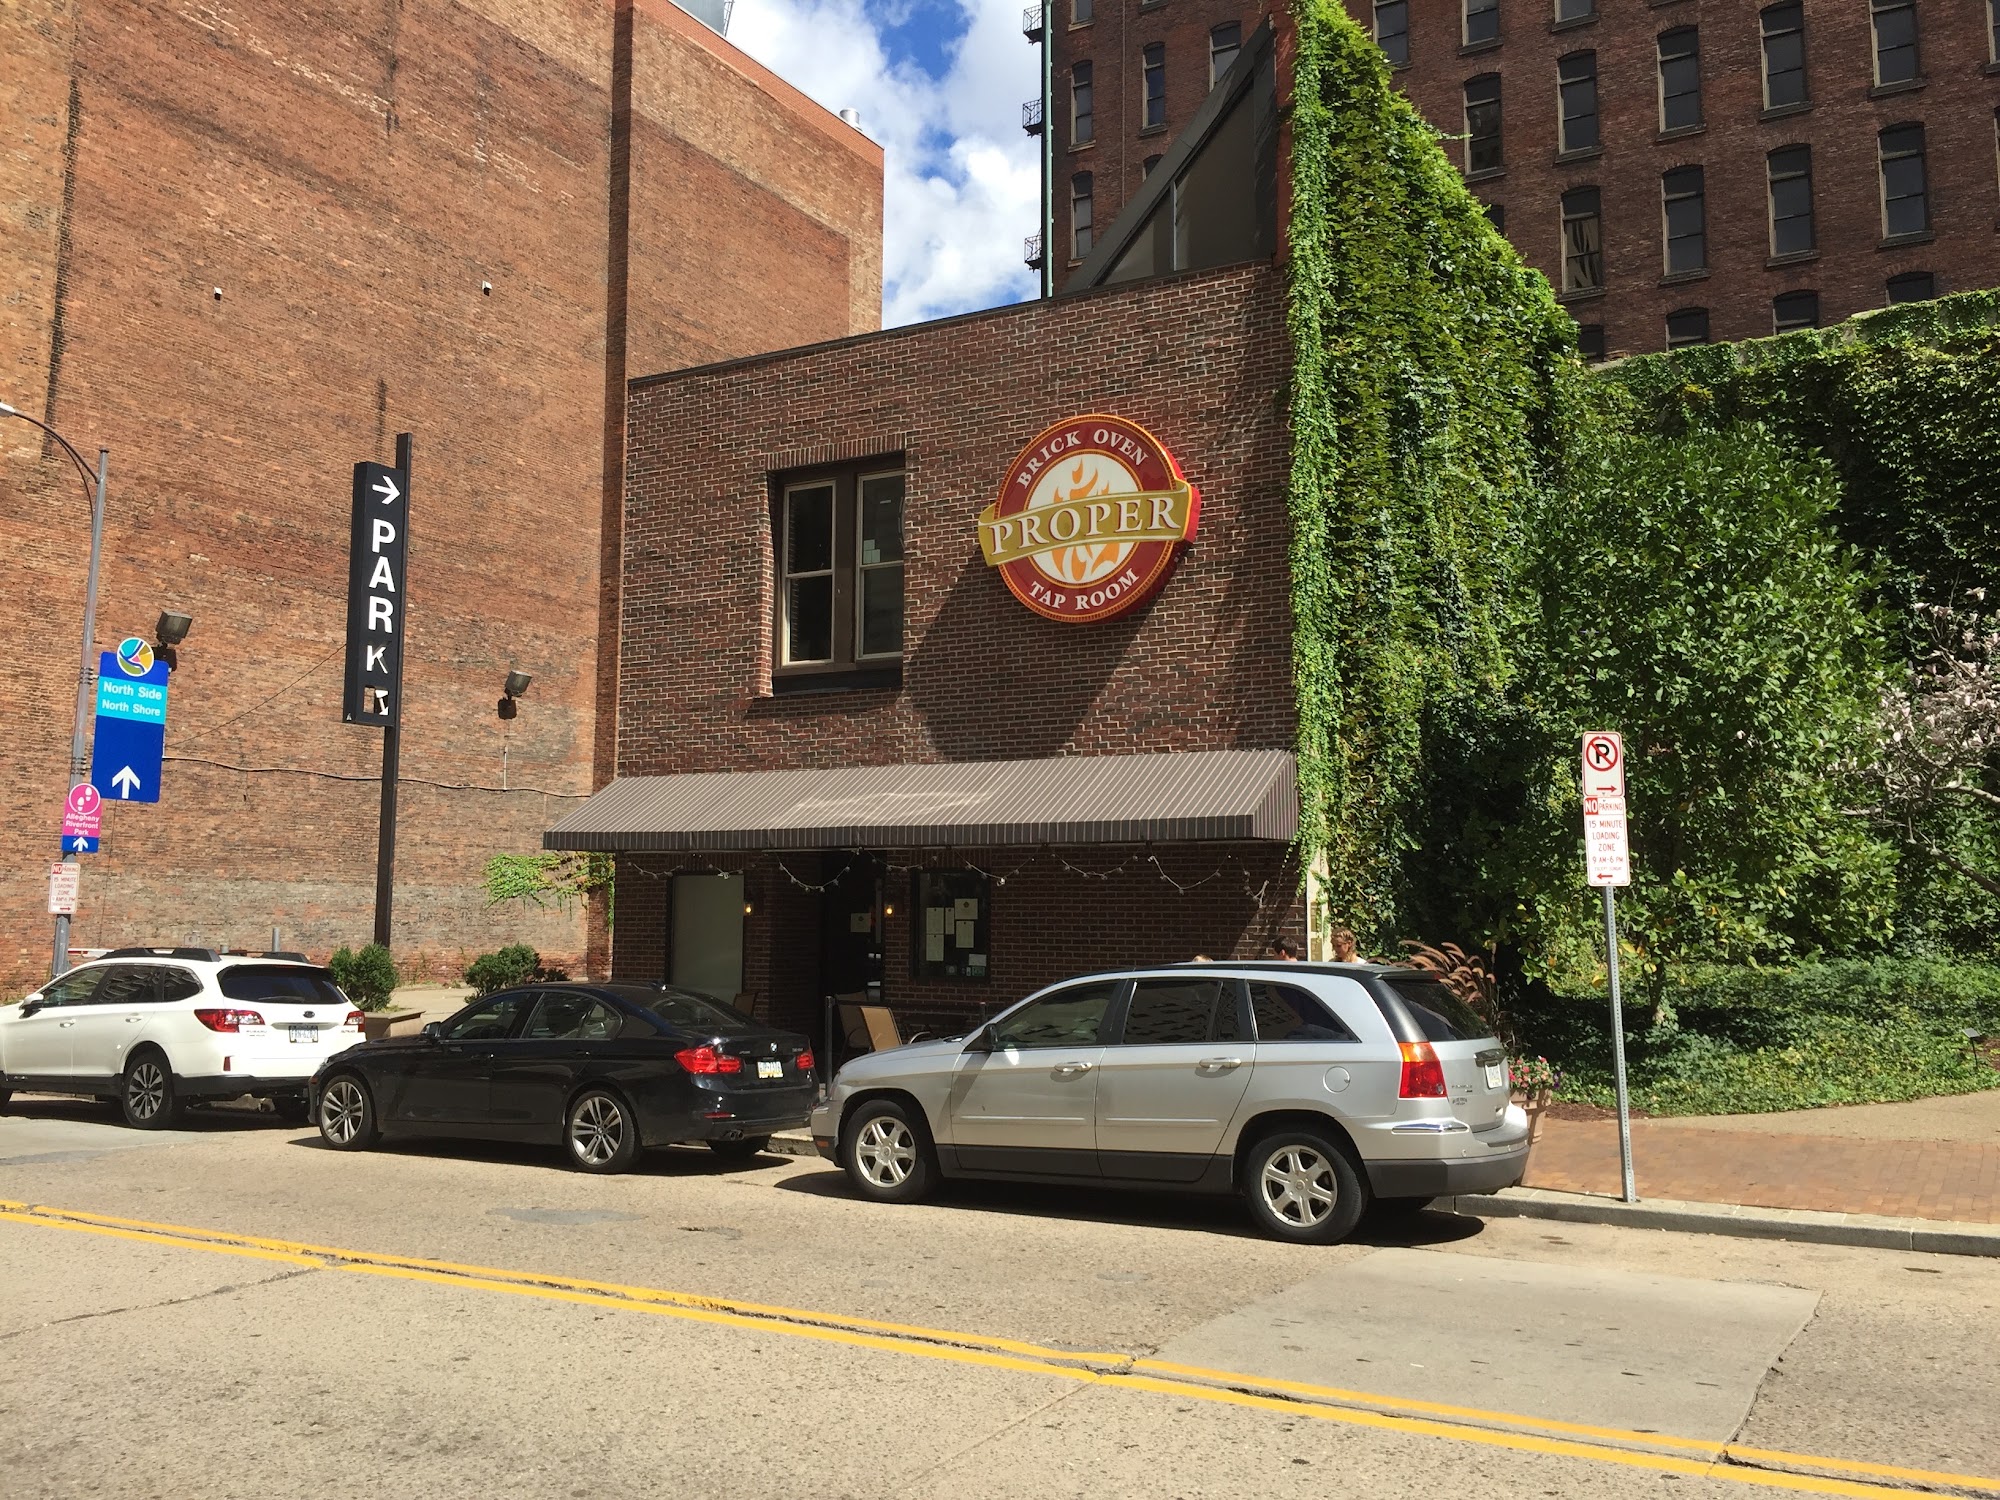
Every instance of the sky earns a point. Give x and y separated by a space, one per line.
940 84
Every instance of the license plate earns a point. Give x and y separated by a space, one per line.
1496 1075
304 1033
770 1067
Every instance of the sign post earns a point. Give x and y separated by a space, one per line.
377 612
1608 860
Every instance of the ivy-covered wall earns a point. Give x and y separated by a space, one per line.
1433 373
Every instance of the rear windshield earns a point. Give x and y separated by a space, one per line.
286 982
682 1007
1440 1015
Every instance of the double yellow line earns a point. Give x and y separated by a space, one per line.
1693 1457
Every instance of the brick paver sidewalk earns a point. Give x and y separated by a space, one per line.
1955 1180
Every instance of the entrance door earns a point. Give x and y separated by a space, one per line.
708 935
850 949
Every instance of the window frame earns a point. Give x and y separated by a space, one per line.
1082 190
1113 1005
1231 1001
1877 9
1399 57
1483 9
1082 103
1661 59
1584 256
1779 325
1564 145
1772 178
1587 13
526 997
1153 86
1590 342
1669 196
1234 50
1326 1008
1766 36
1497 137
1707 334
1882 160
1890 299
846 568
1082 12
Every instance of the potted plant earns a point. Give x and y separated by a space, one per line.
1535 1081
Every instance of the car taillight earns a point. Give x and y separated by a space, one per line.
228 1020
804 1061
1423 1074
353 1021
707 1060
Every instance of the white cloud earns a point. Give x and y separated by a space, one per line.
962 183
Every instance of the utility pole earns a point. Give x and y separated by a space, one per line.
392 749
86 683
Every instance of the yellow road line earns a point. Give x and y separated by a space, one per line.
1716 1460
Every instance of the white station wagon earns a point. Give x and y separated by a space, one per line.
157 1027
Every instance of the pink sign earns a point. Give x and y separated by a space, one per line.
83 813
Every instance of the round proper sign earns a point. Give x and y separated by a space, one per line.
1089 519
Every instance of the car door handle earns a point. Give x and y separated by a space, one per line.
1071 1069
134 1020
65 1024
1210 1066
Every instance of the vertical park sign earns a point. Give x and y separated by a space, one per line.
377 552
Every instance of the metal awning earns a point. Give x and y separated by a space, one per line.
1077 799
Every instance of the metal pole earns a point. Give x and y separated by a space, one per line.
1618 1047
86 683
1048 148
392 747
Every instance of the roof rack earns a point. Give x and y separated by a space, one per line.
205 954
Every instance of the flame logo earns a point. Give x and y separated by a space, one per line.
1081 562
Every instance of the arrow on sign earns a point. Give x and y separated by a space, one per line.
80 846
386 488
127 782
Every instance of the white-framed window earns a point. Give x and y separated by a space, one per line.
1905 193
840 565
1082 107
1790 169
1224 42
1784 35
1576 102
1582 240
1895 40
1684 212
1680 78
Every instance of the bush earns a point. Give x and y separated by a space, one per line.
1746 1041
367 977
510 966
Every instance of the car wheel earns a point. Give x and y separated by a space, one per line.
347 1114
293 1109
601 1134
148 1095
1302 1187
887 1153
743 1150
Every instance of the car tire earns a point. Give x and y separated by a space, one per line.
347 1114
293 1109
887 1152
743 1150
148 1094
600 1133
1301 1186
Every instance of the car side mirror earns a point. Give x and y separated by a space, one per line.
30 1005
985 1039
433 1029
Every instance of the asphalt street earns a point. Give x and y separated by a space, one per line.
233 1310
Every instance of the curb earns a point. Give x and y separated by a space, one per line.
793 1143
1867 1231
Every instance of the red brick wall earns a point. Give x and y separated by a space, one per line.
1956 104
1114 41
348 174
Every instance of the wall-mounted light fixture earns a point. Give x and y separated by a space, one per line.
517 684
168 633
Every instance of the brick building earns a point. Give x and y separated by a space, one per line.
244 246
1683 171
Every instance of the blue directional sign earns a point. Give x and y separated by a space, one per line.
78 844
131 723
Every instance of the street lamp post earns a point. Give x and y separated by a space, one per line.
79 738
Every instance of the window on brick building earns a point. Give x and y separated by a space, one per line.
1576 102
1590 341
1791 310
1496 215
1687 325
1582 241
1993 31
1082 129
1081 188
1146 167
1224 42
1482 123
1905 202
1784 54
1574 10
1153 69
1080 12
1684 210
1912 286
1895 40
1482 21
1680 78
840 556
1392 29
1791 200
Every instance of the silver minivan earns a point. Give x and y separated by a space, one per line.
1313 1090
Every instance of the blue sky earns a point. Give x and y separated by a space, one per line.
939 83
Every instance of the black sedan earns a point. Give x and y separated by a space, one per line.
606 1069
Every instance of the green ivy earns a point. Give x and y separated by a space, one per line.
1433 377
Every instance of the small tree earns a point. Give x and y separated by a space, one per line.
368 978
516 964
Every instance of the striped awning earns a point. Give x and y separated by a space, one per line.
1080 799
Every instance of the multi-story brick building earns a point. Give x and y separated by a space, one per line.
1682 171
243 246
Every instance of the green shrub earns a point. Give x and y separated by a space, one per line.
1746 1041
367 977
517 964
